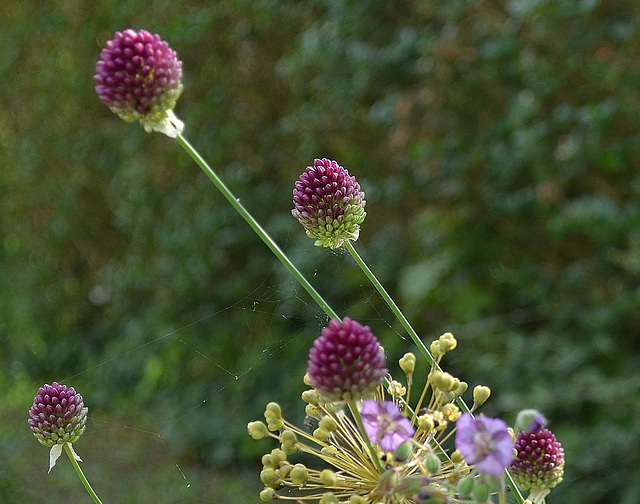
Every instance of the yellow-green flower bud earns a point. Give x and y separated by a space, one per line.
432 463
310 396
456 457
462 388
312 410
269 477
447 342
284 470
298 474
435 349
272 411
327 452
276 456
328 477
480 395
357 499
328 498
320 434
328 423
426 422
408 363
268 494
289 449
275 424
257 430
288 438
443 381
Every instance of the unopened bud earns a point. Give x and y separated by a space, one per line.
480 395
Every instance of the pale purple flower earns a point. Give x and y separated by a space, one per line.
484 442
384 424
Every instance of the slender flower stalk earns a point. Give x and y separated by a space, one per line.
259 230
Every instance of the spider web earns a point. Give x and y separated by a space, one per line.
265 297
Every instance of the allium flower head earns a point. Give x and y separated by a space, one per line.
346 361
329 204
138 77
540 460
484 442
57 416
384 424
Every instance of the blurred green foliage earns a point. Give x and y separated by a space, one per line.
498 146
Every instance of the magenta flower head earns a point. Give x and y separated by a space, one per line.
138 77
384 424
539 463
329 204
484 442
346 362
57 417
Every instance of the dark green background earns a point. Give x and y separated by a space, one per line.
498 147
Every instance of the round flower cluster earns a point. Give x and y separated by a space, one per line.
539 461
138 77
57 415
346 362
329 204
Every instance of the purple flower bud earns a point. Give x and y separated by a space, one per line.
329 204
484 442
530 420
58 415
138 78
540 460
346 362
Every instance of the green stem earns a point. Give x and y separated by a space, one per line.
414 336
374 455
81 475
239 207
394 307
